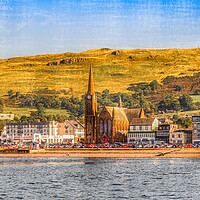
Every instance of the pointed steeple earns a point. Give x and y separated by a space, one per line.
142 113
120 102
90 83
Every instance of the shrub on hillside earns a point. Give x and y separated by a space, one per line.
197 91
178 88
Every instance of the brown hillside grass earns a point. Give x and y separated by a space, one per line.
113 69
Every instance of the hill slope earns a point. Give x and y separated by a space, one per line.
113 69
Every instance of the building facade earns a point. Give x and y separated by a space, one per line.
71 131
113 123
163 132
196 129
181 136
46 132
142 130
6 116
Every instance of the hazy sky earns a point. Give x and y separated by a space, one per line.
29 27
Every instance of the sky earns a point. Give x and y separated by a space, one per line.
33 27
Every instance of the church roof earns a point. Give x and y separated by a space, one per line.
133 113
124 114
142 121
119 115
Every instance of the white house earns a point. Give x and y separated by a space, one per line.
142 130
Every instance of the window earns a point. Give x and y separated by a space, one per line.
146 127
179 135
140 127
105 126
195 119
134 127
109 127
195 126
101 127
173 136
179 141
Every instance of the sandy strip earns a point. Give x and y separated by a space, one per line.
138 153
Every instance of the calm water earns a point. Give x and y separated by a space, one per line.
82 178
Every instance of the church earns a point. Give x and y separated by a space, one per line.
112 124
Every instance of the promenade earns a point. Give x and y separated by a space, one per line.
112 153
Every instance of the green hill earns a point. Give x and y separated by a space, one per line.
113 69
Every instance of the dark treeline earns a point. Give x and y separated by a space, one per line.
74 106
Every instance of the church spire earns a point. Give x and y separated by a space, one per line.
120 102
90 84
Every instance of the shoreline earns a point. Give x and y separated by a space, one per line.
110 153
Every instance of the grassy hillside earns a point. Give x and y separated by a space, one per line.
113 69
26 111
196 98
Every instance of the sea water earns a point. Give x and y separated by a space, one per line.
85 178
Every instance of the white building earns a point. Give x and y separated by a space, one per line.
142 130
46 132
6 116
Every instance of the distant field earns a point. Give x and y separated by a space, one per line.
196 98
113 69
27 111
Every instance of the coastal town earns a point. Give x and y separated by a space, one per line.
113 127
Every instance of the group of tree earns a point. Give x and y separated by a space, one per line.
144 88
183 122
169 102
75 106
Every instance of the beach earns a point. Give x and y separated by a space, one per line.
111 153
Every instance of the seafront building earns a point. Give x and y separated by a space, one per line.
46 132
196 129
163 132
142 130
181 136
71 131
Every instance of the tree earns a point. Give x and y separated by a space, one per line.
1 105
178 88
186 102
17 94
50 117
162 105
154 85
184 122
175 105
43 119
105 93
175 117
197 91
40 110
24 118
10 93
